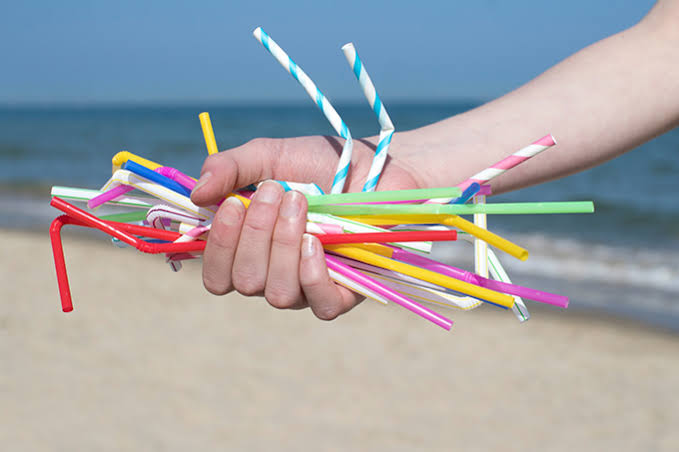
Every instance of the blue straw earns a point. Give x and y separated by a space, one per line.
467 194
166 182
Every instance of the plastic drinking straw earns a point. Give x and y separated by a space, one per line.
354 226
505 164
492 239
359 254
177 176
127 178
480 247
508 208
84 194
161 211
381 196
159 179
409 284
386 126
322 102
383 237
307 189
323 228
390 294
123 156
125 217
208 133
350 284
467 194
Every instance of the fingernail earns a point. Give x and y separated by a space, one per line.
232 218
292 204
202 181
308 245
268 192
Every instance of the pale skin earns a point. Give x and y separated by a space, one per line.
601 102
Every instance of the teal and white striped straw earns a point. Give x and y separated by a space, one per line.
322 102
386 126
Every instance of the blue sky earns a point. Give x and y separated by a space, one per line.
166 51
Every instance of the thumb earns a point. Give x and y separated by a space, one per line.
224 172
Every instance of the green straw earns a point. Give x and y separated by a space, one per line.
519 208
384 196
125 217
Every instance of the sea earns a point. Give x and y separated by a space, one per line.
621 261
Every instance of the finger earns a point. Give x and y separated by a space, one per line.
282 282
225 172
251 263
326 299
221 247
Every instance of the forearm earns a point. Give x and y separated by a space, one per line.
599 103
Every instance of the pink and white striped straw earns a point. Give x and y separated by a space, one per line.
503 165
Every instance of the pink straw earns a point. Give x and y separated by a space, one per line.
388 293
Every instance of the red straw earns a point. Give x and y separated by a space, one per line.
386 237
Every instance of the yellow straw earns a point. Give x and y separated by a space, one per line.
487 236
358 253
208 133
123 156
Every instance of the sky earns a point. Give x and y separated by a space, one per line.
88 52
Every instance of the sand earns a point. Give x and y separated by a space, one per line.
149 361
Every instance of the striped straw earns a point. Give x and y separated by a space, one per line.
386 127
322 102
505 164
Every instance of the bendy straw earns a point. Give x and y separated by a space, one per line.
384 237
390 294
157 178
208 133
381 196
128 178
355 252
85 194
322 102
123 156
513 208
386 126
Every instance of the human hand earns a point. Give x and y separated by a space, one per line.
263 250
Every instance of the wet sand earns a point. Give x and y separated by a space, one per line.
149 361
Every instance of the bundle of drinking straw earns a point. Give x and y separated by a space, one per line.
376 242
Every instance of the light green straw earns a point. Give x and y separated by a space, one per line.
384 196
125 217
519 208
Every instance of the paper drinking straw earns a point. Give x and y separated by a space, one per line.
509 208
307 189
84 195
355 252
127 178
383 237
381 196
480 247
123 156
386 126
157 178
323 228
322 102
390 294
505 164
208 133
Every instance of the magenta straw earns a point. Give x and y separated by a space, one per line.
464 275
388 293
177 176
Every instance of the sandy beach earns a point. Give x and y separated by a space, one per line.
150 361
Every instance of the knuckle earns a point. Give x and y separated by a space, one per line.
280 298
247 284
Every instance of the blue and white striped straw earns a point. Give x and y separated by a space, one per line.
386 127
322 102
